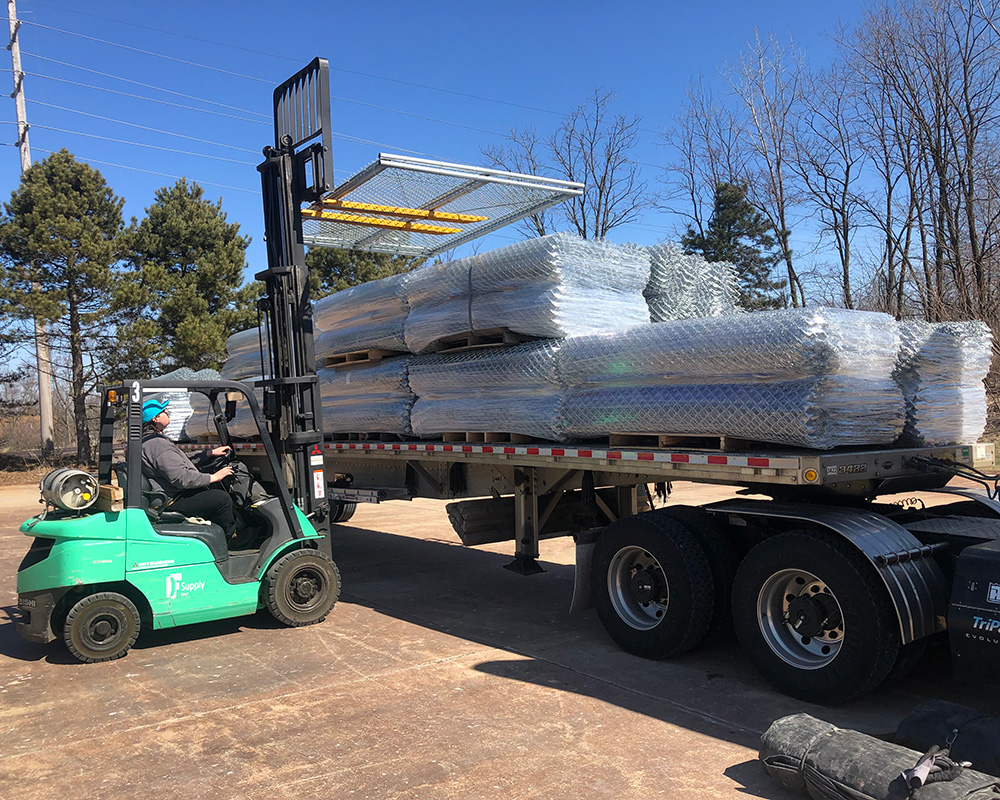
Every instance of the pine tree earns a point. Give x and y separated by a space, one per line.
61 239
739 234
332 270
192 263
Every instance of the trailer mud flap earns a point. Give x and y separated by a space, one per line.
912 578
583 599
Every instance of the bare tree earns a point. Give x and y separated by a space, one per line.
829 159
592 146
705 137
525 154
767 82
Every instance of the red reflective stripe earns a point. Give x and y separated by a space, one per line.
395 447
487 449
758 462
718 459
584 453
381 447
411 447
645 456
532 451
352 447
447 448
509 450
466 449
681 457
557 451
428 447
613 454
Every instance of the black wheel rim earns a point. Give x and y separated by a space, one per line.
104 629
306 589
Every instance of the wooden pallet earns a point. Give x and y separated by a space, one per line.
374 436
475 437
357 357
490 337
684 440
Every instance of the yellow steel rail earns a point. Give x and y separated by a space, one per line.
398 211
378 222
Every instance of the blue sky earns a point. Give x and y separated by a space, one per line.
441 80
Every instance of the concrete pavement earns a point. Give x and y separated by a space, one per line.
438 675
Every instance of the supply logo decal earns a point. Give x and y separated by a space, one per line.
176 587
994 595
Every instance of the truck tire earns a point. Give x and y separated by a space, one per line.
814 618
723 559
301 588
101 627
341 511
652 586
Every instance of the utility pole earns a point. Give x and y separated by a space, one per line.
41 336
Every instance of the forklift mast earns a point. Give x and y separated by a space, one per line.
297 169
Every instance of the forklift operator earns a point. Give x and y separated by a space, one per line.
170 471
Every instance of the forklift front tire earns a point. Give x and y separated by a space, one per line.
101 627
301 588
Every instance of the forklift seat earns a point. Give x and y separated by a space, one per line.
210 534
173 523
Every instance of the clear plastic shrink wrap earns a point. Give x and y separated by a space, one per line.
369 316
683 286
370 398
818 378
497 390
940 371
551 287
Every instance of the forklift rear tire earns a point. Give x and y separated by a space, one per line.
301 588
101 627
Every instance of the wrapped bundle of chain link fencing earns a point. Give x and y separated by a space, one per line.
817 378
365 317
514 390
686 286
551 287
369 398
941 369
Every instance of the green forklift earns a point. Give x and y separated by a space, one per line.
102 568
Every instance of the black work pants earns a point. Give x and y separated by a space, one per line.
213 504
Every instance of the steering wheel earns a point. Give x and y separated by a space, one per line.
215 463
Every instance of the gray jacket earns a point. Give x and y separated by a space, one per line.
169 469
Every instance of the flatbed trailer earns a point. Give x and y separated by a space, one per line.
828 590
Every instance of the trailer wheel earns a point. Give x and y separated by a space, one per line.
723 558
342 511
652 586
101 627
301 588
812 616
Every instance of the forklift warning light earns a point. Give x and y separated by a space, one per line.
112 396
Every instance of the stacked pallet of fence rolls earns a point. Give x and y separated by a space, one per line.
818 378
368 398
686 286
366 317
550 287
941 372
511 390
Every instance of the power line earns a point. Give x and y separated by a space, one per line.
149 99
296 60
141 127
153 172
267 117
142 144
